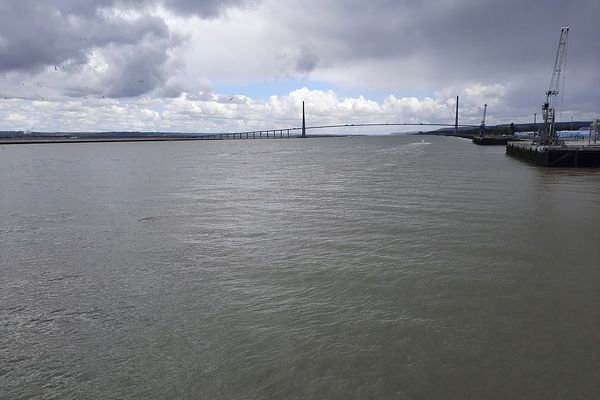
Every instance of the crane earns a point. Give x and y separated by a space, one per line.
482 126
548 134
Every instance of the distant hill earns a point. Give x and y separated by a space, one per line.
111 134
506 129
503 129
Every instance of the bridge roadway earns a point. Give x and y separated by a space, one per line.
261 134
285 133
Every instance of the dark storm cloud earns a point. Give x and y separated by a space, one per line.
36 35
385 45
457 41
487 34
206 8
306 61
136 70
63 35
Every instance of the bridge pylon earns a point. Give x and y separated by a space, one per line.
303 122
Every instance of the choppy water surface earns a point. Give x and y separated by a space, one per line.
347 268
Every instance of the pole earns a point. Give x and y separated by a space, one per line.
456 118
303 122
571 123
482 126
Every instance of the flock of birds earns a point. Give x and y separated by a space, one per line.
67 68
73 67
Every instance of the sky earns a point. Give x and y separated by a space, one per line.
238 65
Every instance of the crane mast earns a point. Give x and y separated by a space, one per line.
548 134
482 126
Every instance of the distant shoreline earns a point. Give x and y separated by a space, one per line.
50 140
93 140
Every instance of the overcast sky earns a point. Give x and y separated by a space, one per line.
209 65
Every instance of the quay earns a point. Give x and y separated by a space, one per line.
494 140
565 155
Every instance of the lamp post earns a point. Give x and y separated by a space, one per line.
571 123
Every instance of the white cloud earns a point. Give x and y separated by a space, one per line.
16 118
214 114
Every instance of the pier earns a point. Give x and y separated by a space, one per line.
494 140
565 155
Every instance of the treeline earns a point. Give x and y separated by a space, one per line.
112 134
509 129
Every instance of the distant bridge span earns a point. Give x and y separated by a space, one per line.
384 124
285 132
304 128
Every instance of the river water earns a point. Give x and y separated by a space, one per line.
334 268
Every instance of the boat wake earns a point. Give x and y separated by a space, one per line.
422 142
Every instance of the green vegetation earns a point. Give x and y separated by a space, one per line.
507 129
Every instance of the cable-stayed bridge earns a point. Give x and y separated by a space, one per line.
301 131
298 132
